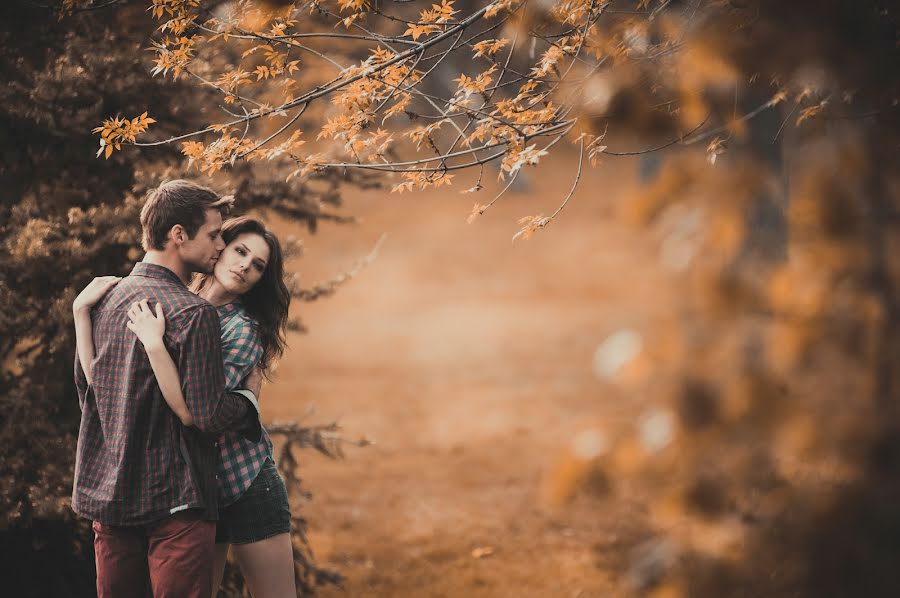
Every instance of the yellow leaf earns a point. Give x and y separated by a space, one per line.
810 112
477 210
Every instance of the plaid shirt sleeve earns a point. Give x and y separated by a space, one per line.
202 378
241 351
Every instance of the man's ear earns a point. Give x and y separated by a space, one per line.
178 235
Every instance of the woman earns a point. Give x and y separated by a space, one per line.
247 287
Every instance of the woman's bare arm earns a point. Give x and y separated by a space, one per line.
84 342
81 311
150 329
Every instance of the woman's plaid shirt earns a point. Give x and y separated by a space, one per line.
135 463
240 460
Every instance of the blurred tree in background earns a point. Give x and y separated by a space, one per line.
770 436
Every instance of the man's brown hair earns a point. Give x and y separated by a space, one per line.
178 202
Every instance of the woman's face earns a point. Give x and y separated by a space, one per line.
242 263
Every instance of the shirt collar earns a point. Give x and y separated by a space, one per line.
155 271
230 308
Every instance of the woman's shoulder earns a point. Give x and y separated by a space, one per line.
236 321
241 340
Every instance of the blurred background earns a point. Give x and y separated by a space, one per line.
684 385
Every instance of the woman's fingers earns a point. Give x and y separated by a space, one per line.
141 307
94 291
134 311
140 311
106 281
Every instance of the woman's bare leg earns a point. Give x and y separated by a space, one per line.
219 567
268 566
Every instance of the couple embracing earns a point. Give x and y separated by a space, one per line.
173 466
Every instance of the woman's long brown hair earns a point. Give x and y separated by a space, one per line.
268 301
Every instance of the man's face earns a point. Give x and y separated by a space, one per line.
201 252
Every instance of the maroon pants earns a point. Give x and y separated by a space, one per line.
170 558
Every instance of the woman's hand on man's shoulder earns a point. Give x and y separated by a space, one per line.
94 292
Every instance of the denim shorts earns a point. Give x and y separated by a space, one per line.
261 512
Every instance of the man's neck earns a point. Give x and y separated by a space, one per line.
170 261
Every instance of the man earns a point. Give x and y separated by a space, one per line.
146 481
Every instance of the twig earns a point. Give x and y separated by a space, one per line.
574 185
328 288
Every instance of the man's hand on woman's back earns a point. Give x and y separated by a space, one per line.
254 381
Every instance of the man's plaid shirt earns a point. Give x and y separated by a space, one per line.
240 460
135 462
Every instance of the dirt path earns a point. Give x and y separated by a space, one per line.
467 360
